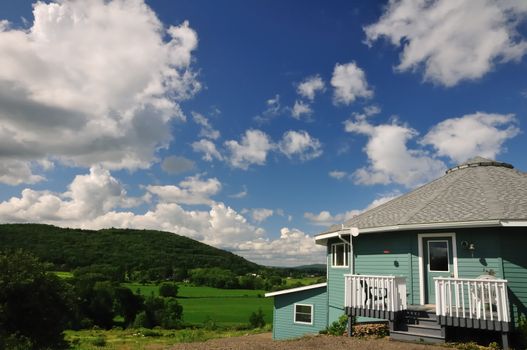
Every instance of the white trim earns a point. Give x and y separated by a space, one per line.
513 223
447 254
294 290
321 238
312 313
420 237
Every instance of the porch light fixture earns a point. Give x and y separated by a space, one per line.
471 247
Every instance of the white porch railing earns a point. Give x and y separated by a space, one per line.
383 293
484 299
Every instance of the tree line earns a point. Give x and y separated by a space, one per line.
36 306
139 254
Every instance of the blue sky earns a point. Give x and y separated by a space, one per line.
250 126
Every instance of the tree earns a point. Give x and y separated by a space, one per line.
35 306
101 305
168 290
164 312
257 320
128 304
171 314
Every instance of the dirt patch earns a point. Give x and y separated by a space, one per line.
319 342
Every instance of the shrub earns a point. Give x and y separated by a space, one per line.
100 341
256 320
168 290
468 346
151 333
338 327
13 342
141 320
209 324
521 331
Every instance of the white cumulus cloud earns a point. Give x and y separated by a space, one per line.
206 129
261 214
301 108
191 191
452 40
390 160
91 82
478 134
292 248
324 218
349 83
252 149
337 174
310 86
300 144
208 148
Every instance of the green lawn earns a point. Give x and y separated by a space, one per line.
143 289
63 274
227 307
201 292
225 311
305 281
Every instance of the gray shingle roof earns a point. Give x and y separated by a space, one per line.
479 189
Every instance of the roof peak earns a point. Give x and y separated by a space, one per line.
479 161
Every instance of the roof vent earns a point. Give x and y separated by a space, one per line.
479 161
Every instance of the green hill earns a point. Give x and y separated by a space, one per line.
133 250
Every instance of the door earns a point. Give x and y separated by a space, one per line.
438 259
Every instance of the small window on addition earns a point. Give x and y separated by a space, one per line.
339 254
304 313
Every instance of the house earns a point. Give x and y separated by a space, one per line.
446 256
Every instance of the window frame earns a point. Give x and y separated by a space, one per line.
334 255
312 314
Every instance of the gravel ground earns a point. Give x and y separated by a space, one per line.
264 341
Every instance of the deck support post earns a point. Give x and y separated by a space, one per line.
350 326
505 340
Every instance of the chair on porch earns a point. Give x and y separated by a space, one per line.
376 294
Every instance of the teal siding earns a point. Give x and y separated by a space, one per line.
487 256
284 326
386 254
375 254
502 251
515 269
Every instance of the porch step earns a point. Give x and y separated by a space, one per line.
423 330
418 326
415 337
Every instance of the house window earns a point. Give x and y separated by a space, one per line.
304 313
438 256
339 255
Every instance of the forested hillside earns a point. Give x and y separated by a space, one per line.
158 252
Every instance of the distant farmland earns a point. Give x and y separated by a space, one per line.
226 307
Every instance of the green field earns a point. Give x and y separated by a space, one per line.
63 274
226 307
225 311
305 281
